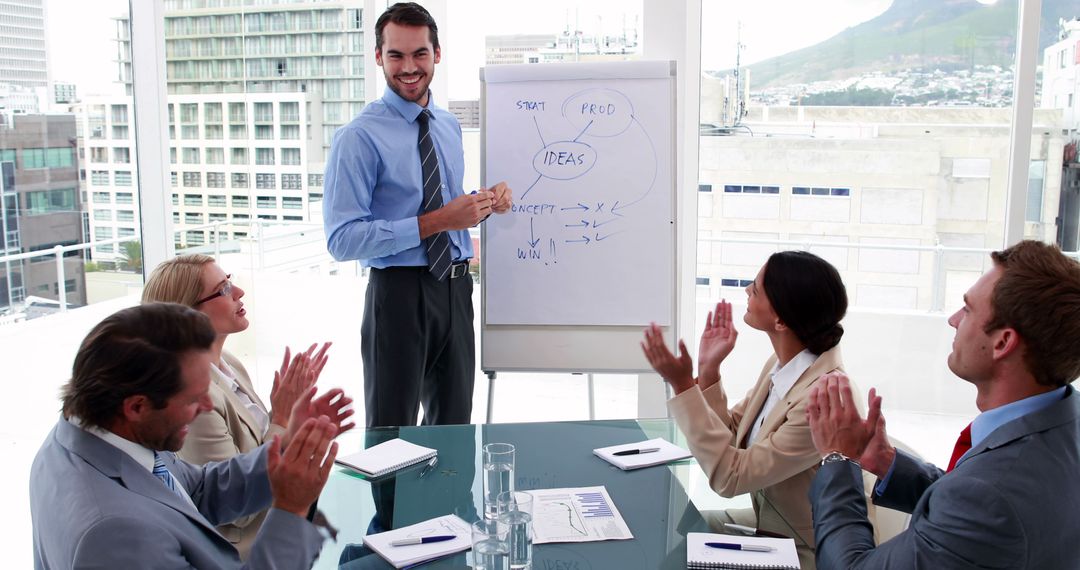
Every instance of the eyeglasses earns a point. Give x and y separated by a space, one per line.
225 291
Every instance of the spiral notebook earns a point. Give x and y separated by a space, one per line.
386 457
700 556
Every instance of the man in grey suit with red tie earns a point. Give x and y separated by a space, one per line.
106 490
1007 499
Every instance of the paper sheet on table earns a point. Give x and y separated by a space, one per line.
577 514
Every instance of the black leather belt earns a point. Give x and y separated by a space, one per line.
459 269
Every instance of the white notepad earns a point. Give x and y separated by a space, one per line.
667 453
402 556
386 457
700 556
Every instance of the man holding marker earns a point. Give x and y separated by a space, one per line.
394 200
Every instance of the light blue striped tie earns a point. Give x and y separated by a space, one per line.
162 473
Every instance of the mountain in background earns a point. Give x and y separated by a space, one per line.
914 34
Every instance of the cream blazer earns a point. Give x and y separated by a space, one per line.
227 430
778 468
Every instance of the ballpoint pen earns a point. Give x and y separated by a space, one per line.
735 546
422 540
429 466
636 451
753 531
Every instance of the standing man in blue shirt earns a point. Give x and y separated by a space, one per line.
1006 499
394 200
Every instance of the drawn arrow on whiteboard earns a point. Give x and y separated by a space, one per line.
583 224
532 238
584 239
579 206
597 224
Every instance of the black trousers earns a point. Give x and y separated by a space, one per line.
418 347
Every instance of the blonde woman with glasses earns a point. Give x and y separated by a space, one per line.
239 421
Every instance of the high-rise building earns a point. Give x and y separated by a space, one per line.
22 43
566 46
256 91
40 208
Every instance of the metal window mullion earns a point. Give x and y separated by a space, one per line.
1023 111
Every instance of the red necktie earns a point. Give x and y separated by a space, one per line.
963 444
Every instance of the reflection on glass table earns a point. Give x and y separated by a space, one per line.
653 501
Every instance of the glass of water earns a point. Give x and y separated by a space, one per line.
490 549
515 513
498 475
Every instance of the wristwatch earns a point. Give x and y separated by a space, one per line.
835 456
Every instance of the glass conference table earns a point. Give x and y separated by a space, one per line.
548 455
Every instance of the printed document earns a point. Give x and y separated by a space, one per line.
578 514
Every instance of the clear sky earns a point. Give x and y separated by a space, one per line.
82 49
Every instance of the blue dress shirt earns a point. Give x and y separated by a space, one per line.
373 189
988 421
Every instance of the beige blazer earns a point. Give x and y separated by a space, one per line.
778 468
227 430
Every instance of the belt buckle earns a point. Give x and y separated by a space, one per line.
459 269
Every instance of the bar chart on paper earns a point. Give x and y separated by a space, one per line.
581 514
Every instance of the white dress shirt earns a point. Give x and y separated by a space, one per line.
142 455
782 381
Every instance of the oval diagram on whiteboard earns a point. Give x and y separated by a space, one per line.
564 160
599 112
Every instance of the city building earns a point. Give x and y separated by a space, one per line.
255 95
1061 90
24 61
576 46
902 176
467 112
40 209
64 93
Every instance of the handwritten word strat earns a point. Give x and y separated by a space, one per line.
530 105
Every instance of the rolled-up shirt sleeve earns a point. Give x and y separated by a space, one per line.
352 231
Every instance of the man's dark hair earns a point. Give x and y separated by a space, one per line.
133 351
1038 295
406 14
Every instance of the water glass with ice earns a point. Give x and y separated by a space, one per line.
515 513
498 475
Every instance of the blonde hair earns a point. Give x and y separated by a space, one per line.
178 280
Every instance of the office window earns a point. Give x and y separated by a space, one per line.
237 132
290 132
99 177
239 180
292 203
103 215
191 155
216 200
212 112
704 187
193 218
125 232
270 217
292 218
314 180
291 181
172 155
266 202
192 179
46 201
124 198
176 217
264 156
264 132
97 154
290 111
240 202
237 113
215 132
102 233
122 178
264 112
193 200
189 112
215 156
172 177
195 237
125 215
265 181
175 199
189 132
121 154
120 132
215 179
241 217
290 156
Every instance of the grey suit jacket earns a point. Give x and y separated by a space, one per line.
1009 503
93 506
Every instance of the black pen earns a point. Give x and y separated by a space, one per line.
744 547
636 451
428 467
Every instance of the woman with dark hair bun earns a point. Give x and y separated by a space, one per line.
761 445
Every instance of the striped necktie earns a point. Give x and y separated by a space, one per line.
438 245
163 474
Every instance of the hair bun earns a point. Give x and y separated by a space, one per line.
825 339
